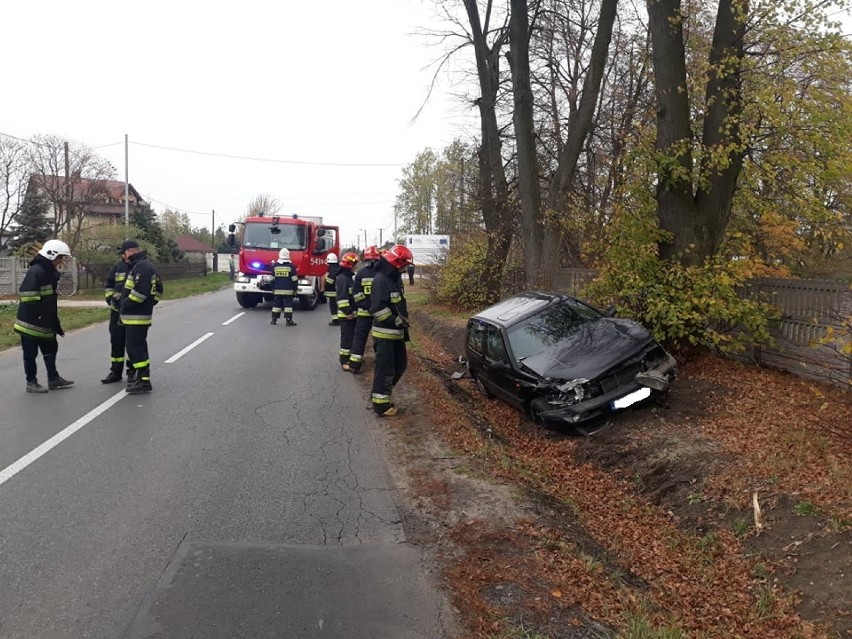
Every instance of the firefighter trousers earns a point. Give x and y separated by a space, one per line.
363 324
117 336
347 332
136 341
48 347
285 302
391 362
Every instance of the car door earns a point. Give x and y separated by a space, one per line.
498 374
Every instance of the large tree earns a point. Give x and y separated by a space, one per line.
13 180
33 227
694 212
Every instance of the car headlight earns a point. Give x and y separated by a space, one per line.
303 282
241 277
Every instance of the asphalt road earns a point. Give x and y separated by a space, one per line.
247 496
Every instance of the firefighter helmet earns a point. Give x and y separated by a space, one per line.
371 253
331 259
349 260
399 256
53 249
284 255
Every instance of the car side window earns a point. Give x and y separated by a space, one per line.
495 348
476 336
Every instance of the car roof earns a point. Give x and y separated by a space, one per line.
516 308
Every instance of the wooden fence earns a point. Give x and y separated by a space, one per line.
812 339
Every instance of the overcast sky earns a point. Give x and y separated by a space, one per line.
327 90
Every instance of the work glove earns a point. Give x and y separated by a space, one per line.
401 322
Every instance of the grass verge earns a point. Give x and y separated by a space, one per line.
79 317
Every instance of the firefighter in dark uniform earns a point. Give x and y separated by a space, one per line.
361 287
142 291
113 287
329 290
37 321
390 326
283 287
346 308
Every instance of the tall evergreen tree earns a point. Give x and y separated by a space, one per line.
143 217
33 225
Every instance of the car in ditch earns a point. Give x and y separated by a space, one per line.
563 361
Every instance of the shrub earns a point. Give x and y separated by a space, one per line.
459 281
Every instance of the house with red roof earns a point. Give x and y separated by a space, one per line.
194 250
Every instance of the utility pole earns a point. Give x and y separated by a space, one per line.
380 238
126 191
66 214
213 241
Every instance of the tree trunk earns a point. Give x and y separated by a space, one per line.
539 272
697 222
562 180
493 187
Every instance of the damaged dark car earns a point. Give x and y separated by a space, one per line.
561 360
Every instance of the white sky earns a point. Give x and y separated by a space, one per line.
310 83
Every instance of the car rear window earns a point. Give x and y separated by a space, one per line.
552 325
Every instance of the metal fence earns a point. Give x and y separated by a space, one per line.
13 269
811 339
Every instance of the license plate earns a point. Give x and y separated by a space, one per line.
631 398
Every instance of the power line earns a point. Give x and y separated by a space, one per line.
272 160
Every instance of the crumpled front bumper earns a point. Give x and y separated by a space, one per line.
658 379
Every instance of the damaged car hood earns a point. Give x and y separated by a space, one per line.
591 350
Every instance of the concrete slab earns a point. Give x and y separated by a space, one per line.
233 591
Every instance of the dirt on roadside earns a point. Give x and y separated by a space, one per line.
723 510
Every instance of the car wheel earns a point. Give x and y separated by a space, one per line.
537 407
309 303
481 387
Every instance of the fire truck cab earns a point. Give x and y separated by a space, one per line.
262 237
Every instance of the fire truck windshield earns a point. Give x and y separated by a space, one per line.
264 235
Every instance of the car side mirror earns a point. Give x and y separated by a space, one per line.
611 311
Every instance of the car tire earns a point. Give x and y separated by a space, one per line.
536 407
309 303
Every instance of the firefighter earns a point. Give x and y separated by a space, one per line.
390 326
283 287
328 289
362 284
37 321
113 287
346 309
142 291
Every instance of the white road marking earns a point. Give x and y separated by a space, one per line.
16 467
183 352
234 318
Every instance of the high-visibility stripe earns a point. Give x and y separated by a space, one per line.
136 296
363 312
378 398
142 364
33 330
395 297
355 358
387 333
382 314
116 360
30 299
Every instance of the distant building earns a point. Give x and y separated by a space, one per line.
95 201
194 250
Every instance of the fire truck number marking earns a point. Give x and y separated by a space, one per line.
317 261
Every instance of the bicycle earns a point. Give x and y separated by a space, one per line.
67 284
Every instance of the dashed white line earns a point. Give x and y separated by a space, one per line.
234 318
16 467
184 351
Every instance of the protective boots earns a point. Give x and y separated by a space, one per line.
114 374
274 321
290 321
35 387
57 382
140 382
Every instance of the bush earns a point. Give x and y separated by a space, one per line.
688 306
459 281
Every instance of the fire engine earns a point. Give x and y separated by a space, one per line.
260 239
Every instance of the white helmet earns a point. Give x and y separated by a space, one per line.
54 248
331 259
284 255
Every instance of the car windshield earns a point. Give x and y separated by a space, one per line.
554 324
265 235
